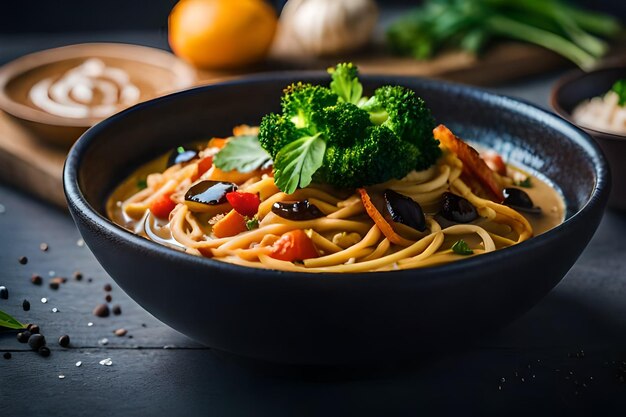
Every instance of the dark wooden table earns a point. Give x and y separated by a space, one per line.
564 357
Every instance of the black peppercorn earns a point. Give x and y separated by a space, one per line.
101 310
44 351
64 340
23 337
36 341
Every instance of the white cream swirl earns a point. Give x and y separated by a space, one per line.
91 89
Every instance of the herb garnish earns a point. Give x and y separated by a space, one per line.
243 153
297 162
338 136
252 223
462 248
142 183
620 89
525 183
9 322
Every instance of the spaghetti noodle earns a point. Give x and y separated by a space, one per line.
346 234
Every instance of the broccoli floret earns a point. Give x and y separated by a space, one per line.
303 103
345 82
366 141
406 114
402 111
344 123
275 132
378 157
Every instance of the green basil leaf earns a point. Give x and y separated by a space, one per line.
462 248
296 163
9 322
242 153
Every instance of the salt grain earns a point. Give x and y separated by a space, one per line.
51 273
106 362
55 310
89 324
80 243
61 376
104 341
44 300
79 363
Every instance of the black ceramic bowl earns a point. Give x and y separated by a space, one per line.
578 86
333 318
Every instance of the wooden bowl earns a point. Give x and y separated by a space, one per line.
154 72
578 86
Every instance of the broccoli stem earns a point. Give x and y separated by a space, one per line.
513 29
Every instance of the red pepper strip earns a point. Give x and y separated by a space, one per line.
473 164
380 221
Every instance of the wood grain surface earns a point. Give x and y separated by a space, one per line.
563 358
30 164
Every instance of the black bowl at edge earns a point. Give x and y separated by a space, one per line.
578 86
304 318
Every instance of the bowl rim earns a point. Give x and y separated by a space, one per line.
186 75
578 75
428 275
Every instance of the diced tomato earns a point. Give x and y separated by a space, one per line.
162 206
294 246
495 162
246 204
203 166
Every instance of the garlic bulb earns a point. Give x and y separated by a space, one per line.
325 27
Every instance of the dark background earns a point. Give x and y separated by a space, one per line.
40 16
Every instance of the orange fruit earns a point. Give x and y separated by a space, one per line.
221 34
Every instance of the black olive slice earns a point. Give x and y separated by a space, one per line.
518 199
210 192
457 209
296 210
405 210
181 155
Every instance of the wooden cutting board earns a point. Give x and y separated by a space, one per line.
27 163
